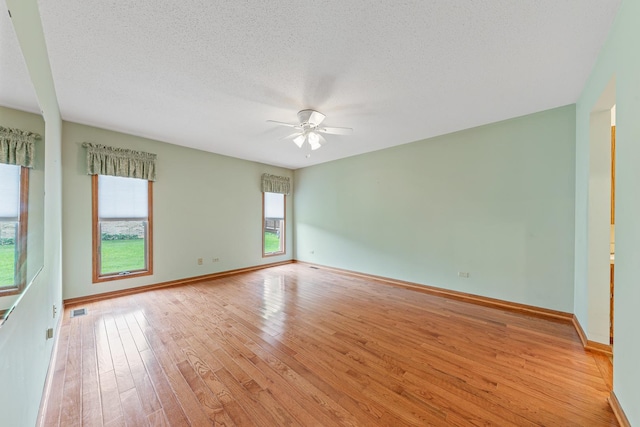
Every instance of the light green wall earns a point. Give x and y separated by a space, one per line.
619 58
24 349
53 217
204 206
494 201
24 355
35 225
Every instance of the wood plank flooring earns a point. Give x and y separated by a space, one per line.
293 345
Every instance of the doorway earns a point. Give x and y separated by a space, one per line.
601 220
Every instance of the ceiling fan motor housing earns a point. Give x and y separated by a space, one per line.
310 119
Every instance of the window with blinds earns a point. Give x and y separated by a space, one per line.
122 227
273 224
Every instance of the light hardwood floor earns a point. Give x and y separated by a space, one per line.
293 345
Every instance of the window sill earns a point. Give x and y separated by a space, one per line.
272 254
121 276
10 290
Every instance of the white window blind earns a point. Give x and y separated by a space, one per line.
122 198
9 192
274 205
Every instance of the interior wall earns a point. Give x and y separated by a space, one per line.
24 355
204 206
24 349
52 271
494 201
618 58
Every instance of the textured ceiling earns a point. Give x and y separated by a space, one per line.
209 74
16 90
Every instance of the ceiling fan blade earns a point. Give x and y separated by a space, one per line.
335 131
291 125
316 117
293 135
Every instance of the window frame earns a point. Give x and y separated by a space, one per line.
97 277
284 227
20 266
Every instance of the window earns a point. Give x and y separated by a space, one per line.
273 224
122 227
14 191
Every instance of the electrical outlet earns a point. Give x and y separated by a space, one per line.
199 261
463 274
55 311
215 260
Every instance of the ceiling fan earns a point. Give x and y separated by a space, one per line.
309 129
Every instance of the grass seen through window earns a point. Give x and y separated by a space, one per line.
7 263
122 255
271 242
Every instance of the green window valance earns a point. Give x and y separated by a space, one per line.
17 147
105 160
275 184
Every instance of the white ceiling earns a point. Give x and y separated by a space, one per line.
209 74
16 90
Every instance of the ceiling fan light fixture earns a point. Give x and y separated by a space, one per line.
314 140
299 140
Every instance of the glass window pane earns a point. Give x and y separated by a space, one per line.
9 192
273 236
120 197
8 237
122 246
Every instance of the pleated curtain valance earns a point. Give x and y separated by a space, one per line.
17 147
275 184
105 160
